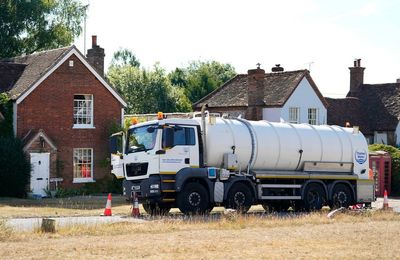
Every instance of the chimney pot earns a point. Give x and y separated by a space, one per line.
94 41
356 78
95 56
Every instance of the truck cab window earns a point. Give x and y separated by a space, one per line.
184 136
141 139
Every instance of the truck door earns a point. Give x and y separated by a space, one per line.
183 152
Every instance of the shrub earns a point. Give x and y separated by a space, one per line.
15 168
6 108
395 154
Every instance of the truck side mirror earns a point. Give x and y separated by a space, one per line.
168 137
115 143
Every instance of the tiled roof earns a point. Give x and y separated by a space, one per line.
9 74
347 110
36 65
278 87
375 107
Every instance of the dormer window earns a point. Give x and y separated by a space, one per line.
83 111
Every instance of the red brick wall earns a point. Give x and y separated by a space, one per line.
50 107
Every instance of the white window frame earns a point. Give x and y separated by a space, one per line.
75 108
74 166
312 120
294 111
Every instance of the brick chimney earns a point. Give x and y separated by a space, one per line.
95 56
255 93
356 78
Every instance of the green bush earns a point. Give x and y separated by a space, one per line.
15 168
395 154
109 184
6 108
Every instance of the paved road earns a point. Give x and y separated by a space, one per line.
30 224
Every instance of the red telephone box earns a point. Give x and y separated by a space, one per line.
381 162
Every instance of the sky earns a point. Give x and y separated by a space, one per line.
322 36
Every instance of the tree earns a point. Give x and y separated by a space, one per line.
147 91
201 78
15 168
27 26
124 57
395 155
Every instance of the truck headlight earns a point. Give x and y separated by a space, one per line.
154 186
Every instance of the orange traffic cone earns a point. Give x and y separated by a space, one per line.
135 208
385 201
107 210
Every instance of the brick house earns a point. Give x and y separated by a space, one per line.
375 108
290 96
63 109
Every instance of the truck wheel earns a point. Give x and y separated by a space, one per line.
314 197
239 198
155 209
341 196
193 199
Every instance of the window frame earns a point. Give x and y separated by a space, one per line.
82 179
84 126
309 115
297 109
187 129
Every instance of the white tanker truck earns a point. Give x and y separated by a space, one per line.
196 164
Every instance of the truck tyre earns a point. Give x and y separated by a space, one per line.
341 196
314 197
239 198
155 209
193 199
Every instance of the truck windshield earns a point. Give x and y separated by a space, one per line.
141 138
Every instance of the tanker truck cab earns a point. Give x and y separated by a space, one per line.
153 154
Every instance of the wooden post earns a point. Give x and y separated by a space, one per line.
48 225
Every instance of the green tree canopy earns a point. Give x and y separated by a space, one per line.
124 57
27 26
200 78
147 91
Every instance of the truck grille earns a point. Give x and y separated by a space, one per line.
136 169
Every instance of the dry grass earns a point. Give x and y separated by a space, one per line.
74 206
348 235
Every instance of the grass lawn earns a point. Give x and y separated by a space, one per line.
53 207
350 235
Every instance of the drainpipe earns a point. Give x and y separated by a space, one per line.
204 133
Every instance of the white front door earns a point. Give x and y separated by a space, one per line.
40 173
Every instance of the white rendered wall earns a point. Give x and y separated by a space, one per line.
304 97
272 114
397 134
380 138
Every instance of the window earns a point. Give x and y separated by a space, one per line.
141 138
312 116
294 115
183 136
83 164
83 111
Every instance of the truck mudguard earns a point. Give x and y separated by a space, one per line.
235 179
185 174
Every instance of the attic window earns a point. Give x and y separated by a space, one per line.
83 111
71 63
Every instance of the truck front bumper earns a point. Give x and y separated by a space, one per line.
147 189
